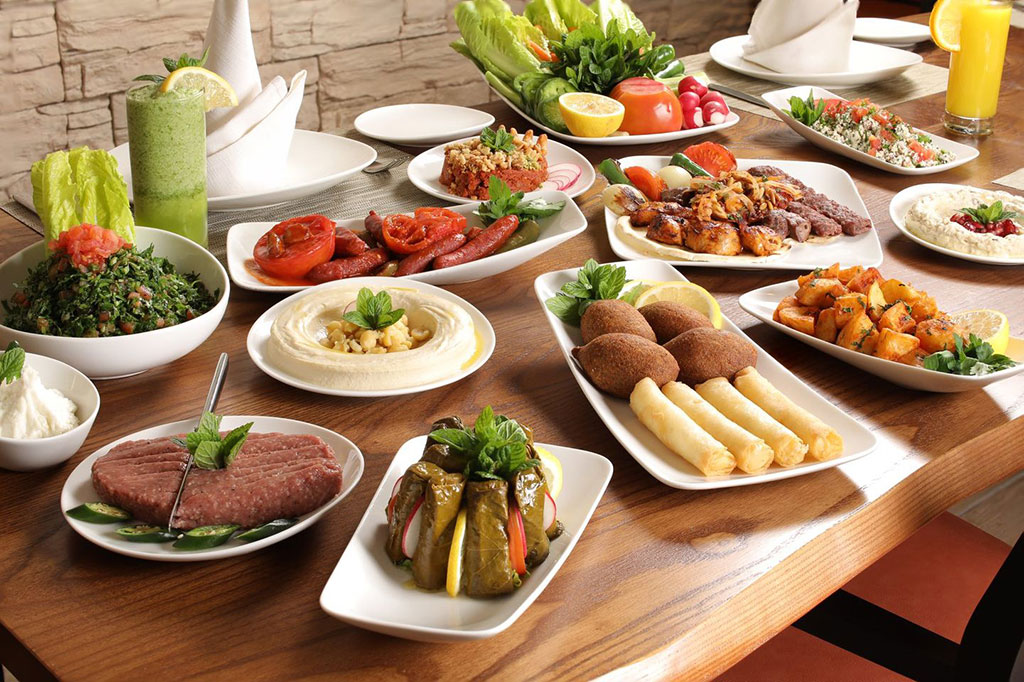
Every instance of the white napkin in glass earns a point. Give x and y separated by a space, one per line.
802 36
232 56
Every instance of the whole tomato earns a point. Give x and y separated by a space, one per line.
650 107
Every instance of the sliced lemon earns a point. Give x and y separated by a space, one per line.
454 580
217 91
552 469
944 23
687 293
590 115
991 325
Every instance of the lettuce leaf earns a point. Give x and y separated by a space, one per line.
53 194
544 13
616 9
575 14
493 39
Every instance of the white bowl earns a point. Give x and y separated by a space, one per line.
119 356
22 454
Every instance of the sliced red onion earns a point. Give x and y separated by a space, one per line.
562 176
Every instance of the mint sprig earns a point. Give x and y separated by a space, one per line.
593 283
975 358
173 65
503 201
986 215
209 450
806 111
373 311
499 140
495 448
11 363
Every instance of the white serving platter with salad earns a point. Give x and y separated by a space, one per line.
830 180
568 171
78 489
421 125
644 446
385 603
778 101
761 303
900 205
554 230
869 63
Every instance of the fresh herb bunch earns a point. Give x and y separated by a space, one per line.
499 140
496 447
173 65
133 291
593 283
504 202
208 449
11 363
595 60
373 311
976 358
806 111
986 215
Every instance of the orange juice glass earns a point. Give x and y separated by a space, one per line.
975 71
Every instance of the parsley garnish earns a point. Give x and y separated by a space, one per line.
499 140
806 111
504 202
11 363
373 311
496 446
173 65
208 449
593 283
986 214
976 358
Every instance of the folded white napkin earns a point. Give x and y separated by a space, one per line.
802 36
231 56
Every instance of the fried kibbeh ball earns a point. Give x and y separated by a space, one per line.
616 362
704 353
669 319
611 316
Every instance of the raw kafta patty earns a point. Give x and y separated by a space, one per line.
274 476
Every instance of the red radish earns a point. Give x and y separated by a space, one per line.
394 496
691 84
411 533
715 112
694 118
711 95
550 511
562 176
516 540
689 101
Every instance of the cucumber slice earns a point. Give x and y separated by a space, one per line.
529 86
506 91
266 530
145 533
554 88
98 512
206 537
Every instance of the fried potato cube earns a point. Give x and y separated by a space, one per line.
897 318
915 357
870 343
893 345
819 273
825 326
863 281
937 334
924 308
876 302
856 332
800 318
788 302
846 275
847 306
895 290
820 293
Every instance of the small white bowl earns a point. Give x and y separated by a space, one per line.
29 454
119 356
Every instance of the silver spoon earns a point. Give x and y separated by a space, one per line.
380 166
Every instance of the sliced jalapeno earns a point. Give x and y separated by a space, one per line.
98 512
145 533
267 529
205 537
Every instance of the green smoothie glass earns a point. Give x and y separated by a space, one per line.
167 143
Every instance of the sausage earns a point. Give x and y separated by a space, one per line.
417 261
374 224
347 243
352 266
486 243
474 232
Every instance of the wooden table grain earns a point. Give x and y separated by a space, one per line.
664 583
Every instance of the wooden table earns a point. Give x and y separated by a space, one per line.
663 583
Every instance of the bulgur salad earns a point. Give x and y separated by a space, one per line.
868 128
520 161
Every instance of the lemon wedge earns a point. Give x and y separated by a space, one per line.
552 469
990 325
590 115
687 293
944 23
217 91
454 579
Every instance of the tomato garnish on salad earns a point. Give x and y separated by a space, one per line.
295 246
87 244
712 157
405 234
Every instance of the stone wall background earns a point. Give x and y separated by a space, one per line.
65 64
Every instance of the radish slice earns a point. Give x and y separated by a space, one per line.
411 534
562 176
550 511
391 500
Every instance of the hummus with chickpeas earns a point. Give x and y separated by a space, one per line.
312 341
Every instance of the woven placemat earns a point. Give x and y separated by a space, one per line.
919 80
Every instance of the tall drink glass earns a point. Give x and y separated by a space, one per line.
167 144
975 71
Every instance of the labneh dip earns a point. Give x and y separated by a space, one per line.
29 410
930 218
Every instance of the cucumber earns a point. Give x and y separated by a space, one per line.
506 91
554 88
550 115
527 84
98 512
681 160
206 537
267 529
145 533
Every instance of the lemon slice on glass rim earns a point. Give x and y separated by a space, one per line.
217 91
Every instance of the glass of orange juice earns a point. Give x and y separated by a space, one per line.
974 32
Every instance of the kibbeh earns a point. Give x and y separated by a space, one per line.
704 354
616 362
612 316
669 319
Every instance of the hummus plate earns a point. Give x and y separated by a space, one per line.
285 341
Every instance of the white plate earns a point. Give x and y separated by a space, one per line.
622 140
892 32
832 181
901 203
259 337
554 230
78 490
421 124
869 63
316 161
778 101
425 171
369 591
644 446
761 303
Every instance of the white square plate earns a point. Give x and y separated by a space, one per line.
832 181
644 446
369 591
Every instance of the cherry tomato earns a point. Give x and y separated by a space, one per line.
650 107
404 234
646 181
295 246
712 157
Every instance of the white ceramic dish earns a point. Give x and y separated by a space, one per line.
384 603
554 230
891 32
644 446
316 161
118 356
420 125
761 303
38 453
259 337
78 489
425 172
900 205
869 63
778 101
830 180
